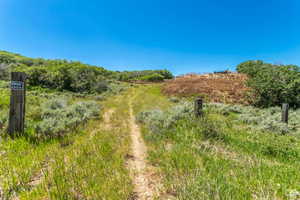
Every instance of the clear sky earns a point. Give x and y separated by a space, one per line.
180 35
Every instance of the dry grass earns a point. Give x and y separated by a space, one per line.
223 88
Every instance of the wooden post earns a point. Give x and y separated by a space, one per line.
198 107
17 103
285 113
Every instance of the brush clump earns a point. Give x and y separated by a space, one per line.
265 120
59 117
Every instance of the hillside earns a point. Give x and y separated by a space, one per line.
67 121
216 87
89 134
231 152
70 75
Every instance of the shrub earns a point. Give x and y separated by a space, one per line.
4 84
59 117
174 99
101 86
268 119
153 77
272 85
251 67
116 88
265 120
146 75
179 116
3 120
4 106
73 76
158 120
4 71
99 98
210 128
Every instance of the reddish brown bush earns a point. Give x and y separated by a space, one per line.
224 88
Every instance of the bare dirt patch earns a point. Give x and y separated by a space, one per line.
145 180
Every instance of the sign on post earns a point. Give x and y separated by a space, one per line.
17 103
17 85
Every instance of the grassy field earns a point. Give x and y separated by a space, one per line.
214 157
86 163
217 157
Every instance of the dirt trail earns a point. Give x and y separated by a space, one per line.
142 177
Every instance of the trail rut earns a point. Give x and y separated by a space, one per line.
142 177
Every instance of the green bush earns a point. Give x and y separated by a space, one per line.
3 120
251 67
272 85
263 120
268 119
174 99
58 117
146 75
158 121
152 77
178 117
73 76
4 84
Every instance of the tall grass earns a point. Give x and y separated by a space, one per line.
78 162
268 120
221 156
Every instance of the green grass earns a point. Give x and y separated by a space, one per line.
88 163
149 97
213 158
219 158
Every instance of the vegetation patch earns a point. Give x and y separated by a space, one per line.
75 162
58 117
268 119
63 75
272 85
217 156
145 75
218 87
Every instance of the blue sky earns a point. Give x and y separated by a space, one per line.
180 35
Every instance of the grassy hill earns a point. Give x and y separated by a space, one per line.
65 106
85 130
232 152
71 76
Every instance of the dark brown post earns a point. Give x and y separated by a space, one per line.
285 113
198 107
17 103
